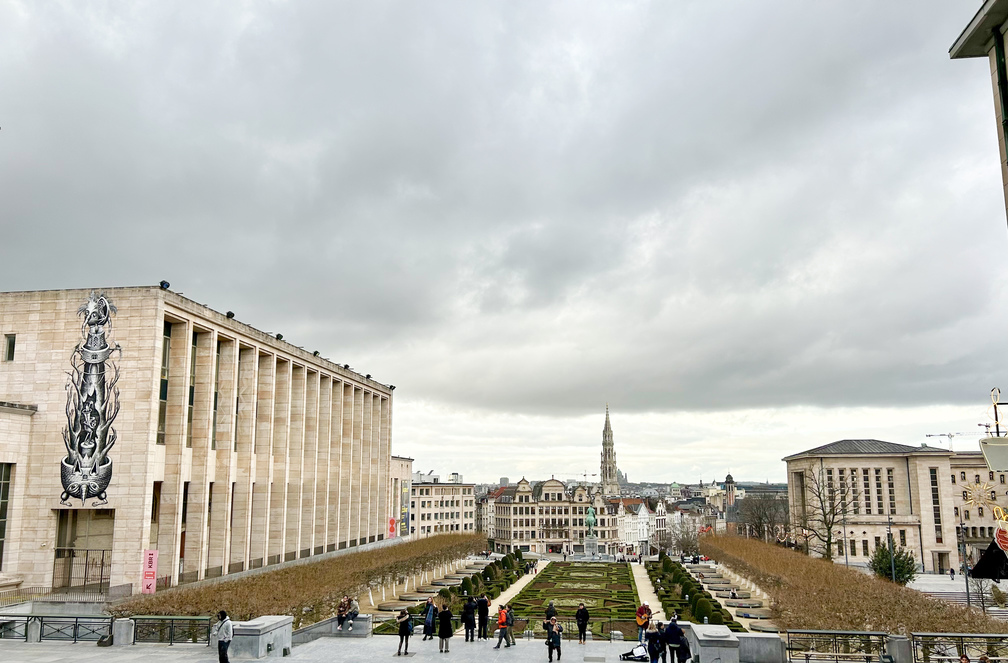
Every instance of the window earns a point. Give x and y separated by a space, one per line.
855 501
9 341
853 548
953 479
979 512
892 491
965 496
864 547
878 491
5 481
956 512
216 393
962 475
977 477
192 392
839 548
966 514
878 541
163 395
867 491
902 533
936 505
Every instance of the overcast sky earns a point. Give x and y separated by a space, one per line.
751 228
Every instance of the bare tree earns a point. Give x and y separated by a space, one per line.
823 503
684 537
763 513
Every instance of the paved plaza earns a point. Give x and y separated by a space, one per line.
325 650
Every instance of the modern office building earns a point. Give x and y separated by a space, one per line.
438 507
136 420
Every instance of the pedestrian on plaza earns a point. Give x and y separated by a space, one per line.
952 573
445 630
405 621
652 637
733 594
581 617
341 611
469 619
550 611
510 624
225 632
661 641
483 611
554 638
676 639
430 619
964 659
643 617
502 627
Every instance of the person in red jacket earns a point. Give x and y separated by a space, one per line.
643 618
502 627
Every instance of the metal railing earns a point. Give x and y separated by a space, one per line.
941 647
65 594
836 646
74 567
171 630
14 627
67 628
601 629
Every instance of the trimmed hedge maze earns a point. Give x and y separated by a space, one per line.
673 582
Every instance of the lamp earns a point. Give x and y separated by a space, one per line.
230 315
279 337
315 354
165 285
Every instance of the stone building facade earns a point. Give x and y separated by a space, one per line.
937 503
233 449
442 507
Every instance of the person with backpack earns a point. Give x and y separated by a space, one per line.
483 611
676 640
225 633
502 628
469 619
510 624
581 617
554 638
653 640
430 619
445 630
405 621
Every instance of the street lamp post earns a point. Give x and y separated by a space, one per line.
962 556
892 559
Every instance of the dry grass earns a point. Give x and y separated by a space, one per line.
812 593
308 592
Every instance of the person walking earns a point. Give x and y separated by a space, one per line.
581 617
502 627
445 630
483 610
430 619
952 573
652 637
225 633
405 621
510 624
554 638
469 619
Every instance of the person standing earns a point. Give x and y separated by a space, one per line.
445 630
675 639
554 638
550 611
652 637
430 619
502 628
952 573
469 619
581 617
483 610
405 621
643 617
225 633
510 624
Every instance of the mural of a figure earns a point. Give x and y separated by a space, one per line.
92 406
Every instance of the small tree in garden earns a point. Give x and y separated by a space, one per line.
904 563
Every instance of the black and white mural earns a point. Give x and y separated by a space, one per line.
92 406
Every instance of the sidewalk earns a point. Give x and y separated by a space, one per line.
646 591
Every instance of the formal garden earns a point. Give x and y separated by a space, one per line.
607 590
310 592
681 594
814 593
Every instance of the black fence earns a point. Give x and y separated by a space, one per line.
64 628
89 569
171 630
525 627
941 647
837 646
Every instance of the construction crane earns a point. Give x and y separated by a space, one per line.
985 432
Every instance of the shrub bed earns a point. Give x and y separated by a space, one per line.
308 592
813 593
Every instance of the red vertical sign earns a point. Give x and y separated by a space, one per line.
149 582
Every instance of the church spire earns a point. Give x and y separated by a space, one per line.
610 481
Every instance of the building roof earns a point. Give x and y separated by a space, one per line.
860 447
976 38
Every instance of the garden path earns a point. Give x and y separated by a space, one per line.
509 593
646 592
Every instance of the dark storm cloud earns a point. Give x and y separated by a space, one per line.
526 207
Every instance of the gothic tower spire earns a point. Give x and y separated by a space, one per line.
610 483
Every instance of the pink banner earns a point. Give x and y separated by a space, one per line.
149 583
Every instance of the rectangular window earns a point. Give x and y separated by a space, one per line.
890 479
853 548
878 491
192 392
867 491
9 341
953 479
855 497
878 541
163 394
864 547
216 393
903 538
5 480
936 505
839 548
